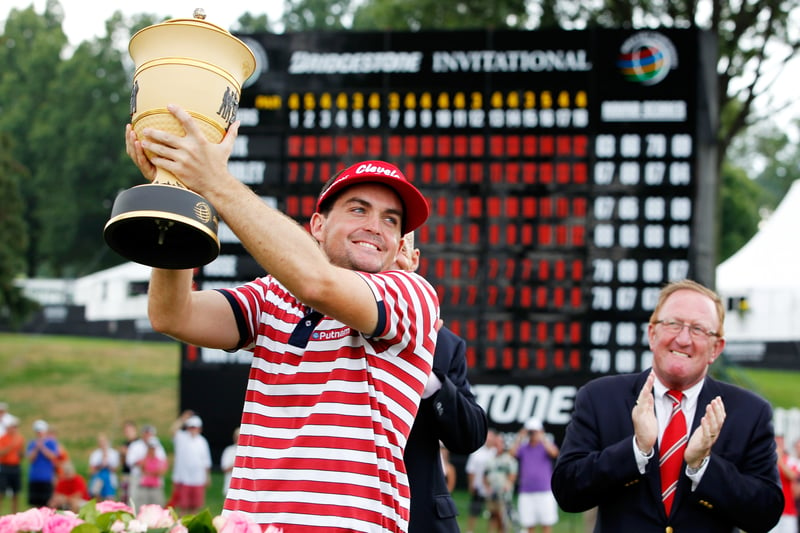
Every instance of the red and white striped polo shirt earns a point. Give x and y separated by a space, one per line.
328 410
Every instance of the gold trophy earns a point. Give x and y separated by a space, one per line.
201 67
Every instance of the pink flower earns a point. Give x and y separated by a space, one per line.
7 524
107 506
155 516
31 520
61 523
236 522
149 518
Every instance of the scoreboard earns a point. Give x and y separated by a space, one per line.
570 175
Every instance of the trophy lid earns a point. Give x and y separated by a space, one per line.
193 38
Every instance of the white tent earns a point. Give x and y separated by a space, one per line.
765 273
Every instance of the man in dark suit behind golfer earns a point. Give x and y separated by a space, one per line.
448 413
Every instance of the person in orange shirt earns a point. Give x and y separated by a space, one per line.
12 448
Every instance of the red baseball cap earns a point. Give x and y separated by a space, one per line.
415 207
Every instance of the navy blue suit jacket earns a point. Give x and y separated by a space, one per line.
597 467
453 416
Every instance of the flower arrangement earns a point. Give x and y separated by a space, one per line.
116 517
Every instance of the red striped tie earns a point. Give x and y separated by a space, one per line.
673 442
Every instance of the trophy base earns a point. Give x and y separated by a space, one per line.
163 226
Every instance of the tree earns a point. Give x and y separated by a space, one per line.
303 15
774 169
249 23
85 154
14 238
66 122
30 57
436 14
740 198
781 159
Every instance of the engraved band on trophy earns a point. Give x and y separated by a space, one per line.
201 67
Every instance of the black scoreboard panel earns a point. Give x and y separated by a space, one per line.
566 173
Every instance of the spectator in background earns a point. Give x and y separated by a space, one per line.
129 434
12 449
42 453
70 492
191 472
536 505
103 465
475 468
789 473
227 461
5 417
137 451
500 477
149 478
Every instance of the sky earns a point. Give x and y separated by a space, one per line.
84 21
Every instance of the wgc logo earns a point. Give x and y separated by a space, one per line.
646 58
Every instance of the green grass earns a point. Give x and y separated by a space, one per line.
84 386
777 386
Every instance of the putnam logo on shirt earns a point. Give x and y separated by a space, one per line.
331 335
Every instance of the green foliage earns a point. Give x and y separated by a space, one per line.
781 156
304 15
14 237
438 14
199 523
740 200
31 55
249 23
86 528
91 106
66 121
14 307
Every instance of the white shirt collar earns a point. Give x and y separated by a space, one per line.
689 402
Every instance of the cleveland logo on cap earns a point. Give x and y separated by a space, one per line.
375 169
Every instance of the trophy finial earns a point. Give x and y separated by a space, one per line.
199 13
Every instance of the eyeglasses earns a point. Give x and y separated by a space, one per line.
674 327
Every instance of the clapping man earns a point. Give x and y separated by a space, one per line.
655 451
